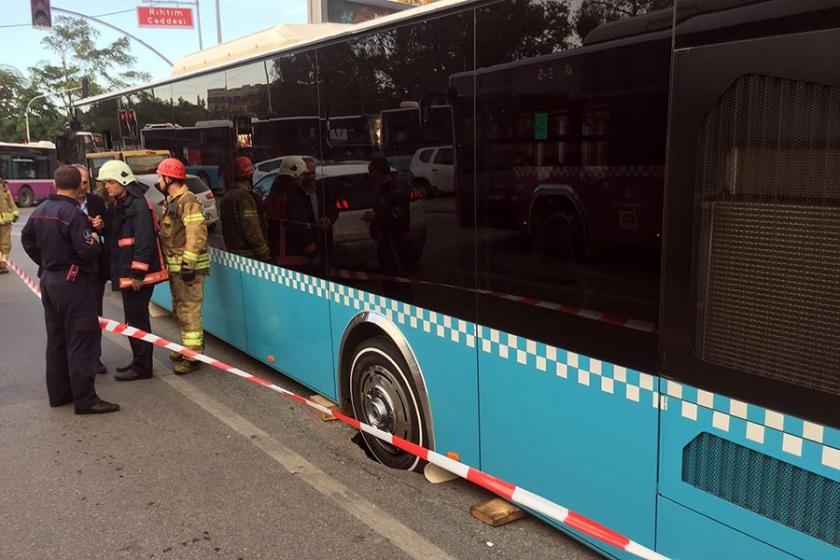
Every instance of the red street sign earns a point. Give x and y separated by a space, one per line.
171 18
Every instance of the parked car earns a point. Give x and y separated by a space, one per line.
349 191
198 187
262 168
433 169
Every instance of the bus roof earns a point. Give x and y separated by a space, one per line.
343 32
41 145
119 154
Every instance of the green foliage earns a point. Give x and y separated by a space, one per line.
76 55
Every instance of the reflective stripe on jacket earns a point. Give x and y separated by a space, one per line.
183 233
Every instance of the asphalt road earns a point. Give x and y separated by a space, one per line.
209 466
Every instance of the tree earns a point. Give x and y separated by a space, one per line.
74 42
593 13
15 92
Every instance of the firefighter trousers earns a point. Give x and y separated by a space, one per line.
187 299
72 338
136 309
5 242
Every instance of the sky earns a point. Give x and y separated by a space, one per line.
22 45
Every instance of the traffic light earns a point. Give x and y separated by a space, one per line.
41 14
128 123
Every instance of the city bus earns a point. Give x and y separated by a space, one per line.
28 170
631 303
205 148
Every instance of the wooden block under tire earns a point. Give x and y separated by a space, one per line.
496 512
318 399
157 311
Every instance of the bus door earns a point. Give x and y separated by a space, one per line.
750 447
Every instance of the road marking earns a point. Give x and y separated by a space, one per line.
407 540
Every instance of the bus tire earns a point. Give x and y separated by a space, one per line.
383 395
560 235
25 197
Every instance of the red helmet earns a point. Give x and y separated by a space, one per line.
171 167
242 167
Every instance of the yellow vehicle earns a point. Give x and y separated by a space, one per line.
140 161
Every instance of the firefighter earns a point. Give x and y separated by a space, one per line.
60 240
244 225
306 222
8 214
183 235
136 258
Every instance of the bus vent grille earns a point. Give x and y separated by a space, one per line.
785 493
768 227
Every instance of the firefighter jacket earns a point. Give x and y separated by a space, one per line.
8 210
244 224
133 242
183 233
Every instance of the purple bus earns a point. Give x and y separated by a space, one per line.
28 170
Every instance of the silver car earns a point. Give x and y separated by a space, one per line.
198 187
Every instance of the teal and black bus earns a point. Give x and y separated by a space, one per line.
630 302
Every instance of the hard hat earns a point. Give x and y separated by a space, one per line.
292 167
171 167
116 170
242 167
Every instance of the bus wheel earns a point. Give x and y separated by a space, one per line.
383 395
560 235
25 197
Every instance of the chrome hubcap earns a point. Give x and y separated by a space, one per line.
384 403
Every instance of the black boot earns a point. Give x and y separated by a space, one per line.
133 375
101 369
98 407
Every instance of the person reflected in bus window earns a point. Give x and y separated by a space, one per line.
244 224
276 215
389 220
8 214
305 219
93 207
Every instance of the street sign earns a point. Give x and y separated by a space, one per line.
170 18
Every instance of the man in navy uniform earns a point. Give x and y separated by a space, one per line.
59 239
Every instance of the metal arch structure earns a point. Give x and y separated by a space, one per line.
115 28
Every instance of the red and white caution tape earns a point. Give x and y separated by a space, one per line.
504 489
591 314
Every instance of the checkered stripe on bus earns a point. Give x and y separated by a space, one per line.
798 437
722 414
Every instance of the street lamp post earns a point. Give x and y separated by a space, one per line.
37 97
218 23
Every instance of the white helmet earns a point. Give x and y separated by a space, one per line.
292 167
116 170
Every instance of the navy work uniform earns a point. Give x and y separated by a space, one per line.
58 238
